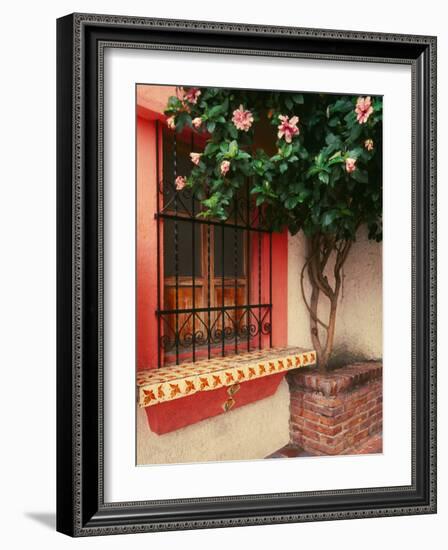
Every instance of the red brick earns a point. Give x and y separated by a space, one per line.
333 441
319 399
311 415
329 421
364 434
365 424
354 421
296 411
374 428
355 403
323 429
323 410
311 434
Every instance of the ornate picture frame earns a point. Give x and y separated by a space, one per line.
81 506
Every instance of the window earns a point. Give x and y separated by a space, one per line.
215 289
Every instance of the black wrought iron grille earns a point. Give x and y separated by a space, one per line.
213 298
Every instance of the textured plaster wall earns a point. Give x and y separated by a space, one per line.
359 318
250 432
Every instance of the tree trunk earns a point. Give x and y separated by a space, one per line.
319 250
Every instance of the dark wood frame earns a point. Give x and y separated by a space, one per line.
81 510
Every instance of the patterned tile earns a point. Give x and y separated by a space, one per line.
168 383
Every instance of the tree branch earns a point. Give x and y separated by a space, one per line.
308 307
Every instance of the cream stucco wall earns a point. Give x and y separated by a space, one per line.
250 432
359 318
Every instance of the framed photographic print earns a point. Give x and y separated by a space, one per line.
246 274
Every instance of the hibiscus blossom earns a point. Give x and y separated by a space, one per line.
192 95
181 182
171 122
242 119
225 167
363 109
350 165
195 158
368 144
288 128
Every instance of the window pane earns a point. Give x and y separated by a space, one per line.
233 251
184 246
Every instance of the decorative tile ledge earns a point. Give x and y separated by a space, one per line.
169 383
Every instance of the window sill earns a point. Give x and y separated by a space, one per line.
158 386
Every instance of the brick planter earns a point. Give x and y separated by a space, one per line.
333 413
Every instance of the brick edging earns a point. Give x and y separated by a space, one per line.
339 380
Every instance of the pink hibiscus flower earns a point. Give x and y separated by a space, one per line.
350 165
195 158
368 144
225 167
363 109
242 119
288 128
192 95
181 182
171 122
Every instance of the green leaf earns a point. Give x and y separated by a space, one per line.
289 103
283 167
350 118
329 217
215 111
297 98
355 132
313 170
174 103
242 155
324 177
211 127
211 149
232 131
355 153
361 176
287 150
291 203
182 120
233 148
341 105
331 139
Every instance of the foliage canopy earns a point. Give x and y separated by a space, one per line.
325 178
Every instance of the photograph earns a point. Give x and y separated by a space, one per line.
258 273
